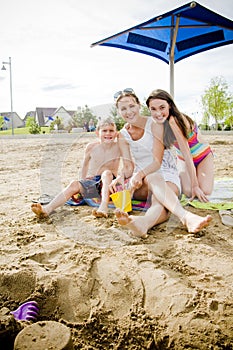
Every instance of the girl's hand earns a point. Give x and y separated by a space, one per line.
197 192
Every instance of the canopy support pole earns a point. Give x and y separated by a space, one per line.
172 52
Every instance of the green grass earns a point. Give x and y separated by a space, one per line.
22 131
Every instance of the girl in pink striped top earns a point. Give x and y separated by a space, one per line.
194 156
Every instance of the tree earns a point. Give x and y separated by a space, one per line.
119 121
81 116
57 124
34 127
229 119
1 121
216 101
144 109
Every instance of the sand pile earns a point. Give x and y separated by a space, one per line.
173 290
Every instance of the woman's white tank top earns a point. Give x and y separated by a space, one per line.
142 149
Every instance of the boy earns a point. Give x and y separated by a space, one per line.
100 167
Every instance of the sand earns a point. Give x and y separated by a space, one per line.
173 290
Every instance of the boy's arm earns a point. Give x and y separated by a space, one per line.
86 161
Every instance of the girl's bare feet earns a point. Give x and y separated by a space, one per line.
37 208
196 223
132 223
99 213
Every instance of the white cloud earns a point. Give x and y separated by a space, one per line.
53 64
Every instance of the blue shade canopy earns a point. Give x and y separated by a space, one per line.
175 35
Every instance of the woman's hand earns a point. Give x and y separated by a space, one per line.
197 192
136 181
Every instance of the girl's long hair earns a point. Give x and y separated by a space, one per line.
169 137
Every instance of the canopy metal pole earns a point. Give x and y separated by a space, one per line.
171 64
172 52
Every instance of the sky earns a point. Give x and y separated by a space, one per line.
53 64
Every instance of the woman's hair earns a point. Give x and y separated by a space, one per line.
129 94
169 137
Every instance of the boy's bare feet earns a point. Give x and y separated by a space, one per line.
196 223
99 213
133 224
37 208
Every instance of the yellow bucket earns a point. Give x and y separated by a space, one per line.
122 200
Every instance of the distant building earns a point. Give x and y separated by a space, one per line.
102 111
45 116
17 121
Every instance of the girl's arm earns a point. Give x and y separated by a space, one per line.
185 150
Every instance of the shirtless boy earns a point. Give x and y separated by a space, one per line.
100 166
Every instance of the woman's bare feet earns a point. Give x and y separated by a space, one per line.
132 223
195 223
37 208
99 213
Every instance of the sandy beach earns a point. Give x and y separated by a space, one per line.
173 290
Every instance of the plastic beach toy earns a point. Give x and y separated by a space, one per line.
43 199
122 200
44 335
26 312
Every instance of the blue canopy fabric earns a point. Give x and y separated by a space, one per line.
175 35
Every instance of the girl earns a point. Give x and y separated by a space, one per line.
194 157
155 172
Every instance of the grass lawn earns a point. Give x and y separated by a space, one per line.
22 131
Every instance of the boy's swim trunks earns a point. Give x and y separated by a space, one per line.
91 187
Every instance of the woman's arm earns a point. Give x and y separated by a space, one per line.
128 164
185 150
158 152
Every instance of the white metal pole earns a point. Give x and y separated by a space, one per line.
12 114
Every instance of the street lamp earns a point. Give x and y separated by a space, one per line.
12 115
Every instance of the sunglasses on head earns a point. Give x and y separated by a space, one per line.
125 91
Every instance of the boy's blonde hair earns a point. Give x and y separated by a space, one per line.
105 121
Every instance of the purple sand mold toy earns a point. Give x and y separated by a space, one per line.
26 312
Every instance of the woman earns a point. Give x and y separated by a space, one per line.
194 156
149 177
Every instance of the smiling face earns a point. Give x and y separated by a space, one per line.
159 110
129 109
107 133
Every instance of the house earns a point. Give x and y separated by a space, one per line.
30 114
102 111
17 121
45 116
